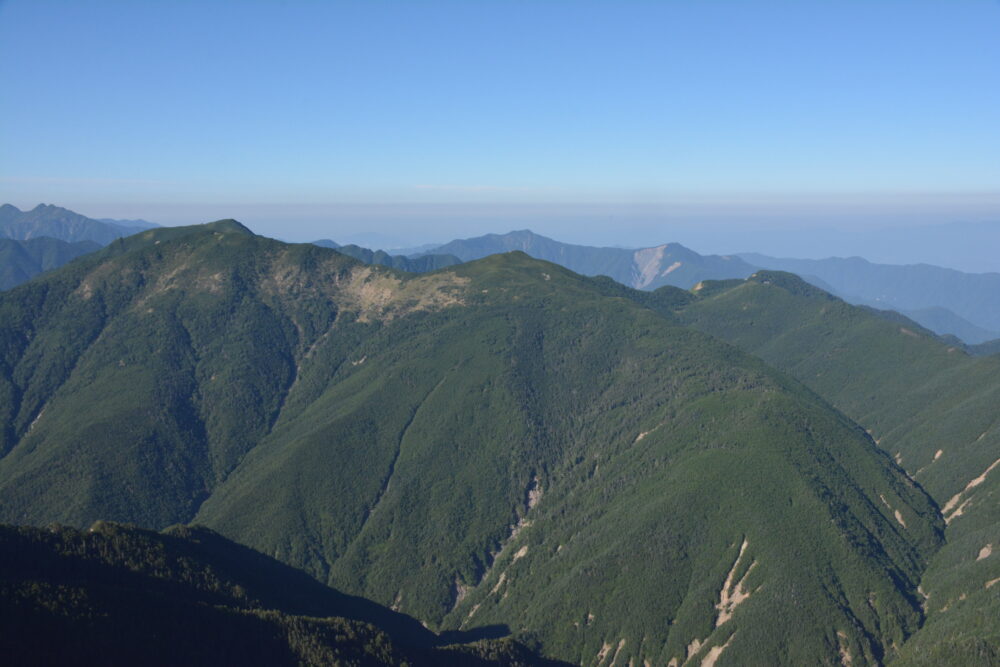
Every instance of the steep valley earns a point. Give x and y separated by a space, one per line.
928 404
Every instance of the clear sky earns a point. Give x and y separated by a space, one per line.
420 120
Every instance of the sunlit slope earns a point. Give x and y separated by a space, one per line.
931 406
501 444
135 379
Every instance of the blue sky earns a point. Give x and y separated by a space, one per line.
296 115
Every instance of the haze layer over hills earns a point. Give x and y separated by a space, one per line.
605 482
943 300
646 268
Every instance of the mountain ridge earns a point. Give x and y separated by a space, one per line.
644 268
556 434
417 264
924 401
60 223
974 297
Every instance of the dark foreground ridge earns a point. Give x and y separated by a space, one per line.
119 595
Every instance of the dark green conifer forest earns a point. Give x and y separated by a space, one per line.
495 462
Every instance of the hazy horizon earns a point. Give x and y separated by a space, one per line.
964 246
805 129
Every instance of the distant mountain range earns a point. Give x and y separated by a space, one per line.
943 300
418 264
131 224
63 224
46 237
646 268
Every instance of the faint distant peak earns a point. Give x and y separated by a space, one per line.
138 223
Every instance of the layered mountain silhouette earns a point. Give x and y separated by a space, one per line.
138 223
943 300
497 444
420 264
646 268
59 223
47 237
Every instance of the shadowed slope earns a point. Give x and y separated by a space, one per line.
20 261
121 595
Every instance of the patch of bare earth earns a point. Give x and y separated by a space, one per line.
643 434
846 659
733 594
533 494
621 645
896 512
378 295
373 292
692 649
952 509
647 261
714 653
459 591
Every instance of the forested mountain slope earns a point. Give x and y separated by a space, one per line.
914 289
20 261
500 443
929 404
